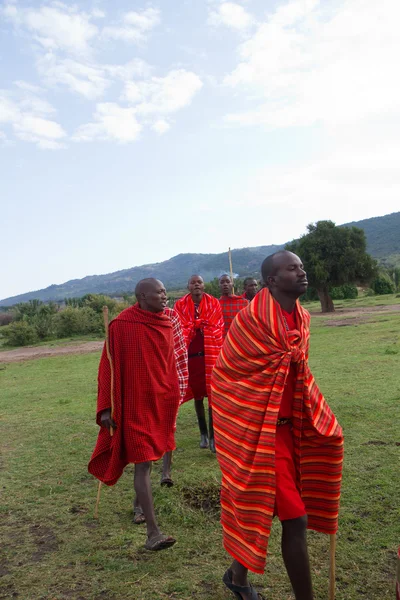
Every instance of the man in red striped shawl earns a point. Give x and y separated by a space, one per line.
203 326
146 399
230 304
279 446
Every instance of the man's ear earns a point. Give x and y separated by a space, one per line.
270 280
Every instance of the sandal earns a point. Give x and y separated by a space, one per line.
138 517
238 590
166 482
159 542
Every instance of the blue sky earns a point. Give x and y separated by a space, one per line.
132 131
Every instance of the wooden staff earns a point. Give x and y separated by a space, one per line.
332 566
231 270
106 323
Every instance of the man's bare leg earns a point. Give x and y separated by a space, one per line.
144 497
201 418
166 478
295 556
211 429
239 577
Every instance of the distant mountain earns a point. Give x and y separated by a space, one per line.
173 272
383 235
383 242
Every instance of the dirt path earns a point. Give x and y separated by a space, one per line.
355 316
31 353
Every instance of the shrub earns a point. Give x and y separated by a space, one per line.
349 291
43 320
382 284
76 321
369 292
5 318
337 293
20 333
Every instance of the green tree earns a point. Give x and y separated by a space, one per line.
333 256
212 287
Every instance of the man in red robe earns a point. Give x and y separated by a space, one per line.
230 304
250 287
146 399
203 326
181 360
279 446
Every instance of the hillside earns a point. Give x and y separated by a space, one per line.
383 235
174 273
383 243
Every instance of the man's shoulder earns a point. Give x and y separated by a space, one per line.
211 299
171 313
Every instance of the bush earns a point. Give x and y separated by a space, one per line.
43 320
337 293
76 321
382 284
350 291
5 318
369 292
20 333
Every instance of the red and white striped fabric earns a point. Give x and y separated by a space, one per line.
247 386
210 321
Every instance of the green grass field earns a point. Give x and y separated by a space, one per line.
53 549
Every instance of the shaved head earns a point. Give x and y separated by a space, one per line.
270 265
151 294
284 275
144 285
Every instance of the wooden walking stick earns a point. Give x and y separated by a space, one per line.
106 323
231 270
332 565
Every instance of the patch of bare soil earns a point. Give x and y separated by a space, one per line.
204 497
32 353
358 315
45 541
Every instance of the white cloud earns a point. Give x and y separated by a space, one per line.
306 66
134 68
111 123
57 27
26 115
163 95
28 87
88 80
161 126
133 27
231 15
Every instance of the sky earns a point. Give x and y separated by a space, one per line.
132 131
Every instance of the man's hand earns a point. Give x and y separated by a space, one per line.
106 420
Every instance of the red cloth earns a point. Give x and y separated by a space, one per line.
211 324
285 409
247 383
180 351
197 366
146 393
288 501
230 306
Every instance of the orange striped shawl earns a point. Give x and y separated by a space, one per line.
211 323
247 385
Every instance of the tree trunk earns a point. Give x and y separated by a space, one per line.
326 300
